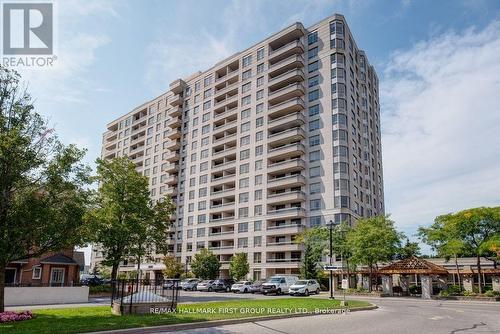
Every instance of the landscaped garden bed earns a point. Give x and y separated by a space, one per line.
89 319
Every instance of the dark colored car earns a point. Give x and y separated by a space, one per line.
256 287
223 284
92 280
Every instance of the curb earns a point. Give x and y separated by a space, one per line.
217 323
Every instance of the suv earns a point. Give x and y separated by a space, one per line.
278 284
304 287
223 284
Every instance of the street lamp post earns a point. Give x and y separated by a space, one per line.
331 226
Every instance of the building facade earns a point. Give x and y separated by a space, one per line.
275 139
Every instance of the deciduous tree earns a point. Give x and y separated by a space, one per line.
205 265
239 267
43 184
173 268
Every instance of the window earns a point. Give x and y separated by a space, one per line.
341 184
260 54
315 188
207 81
246 74
200 232
244 140
245 168
312 53
245 154
314 156
242 242
312 38
314 125
260 68
246 87
340 167
340 151
259 136
314 141
314 171
259 108
258 194
247 60
315 221
313 67
246 100
339 135
337 43
207 105
245 113
243 198
259 122
258 165
244 183
339 119
243 212
245 127
314 95
260 95
258 180
260 81
242 227
37 272
314 81
341 201
315 204
257 225
314 110
257 241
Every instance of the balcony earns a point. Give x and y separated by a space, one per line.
286 93
286 122
171 180
223 193
224 152
177 86
223 179
286 151
224 166
285 51
232 88
286 197
286 36
285 65
225 126
175 111
283 246
286 107
223 207
285 229
174 134
173 145
288 181
285 137
228 100
226 112
176 100
224 140
174 123
285 79
171 168
172 156
172 192
286 166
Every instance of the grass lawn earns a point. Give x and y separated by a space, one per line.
88 319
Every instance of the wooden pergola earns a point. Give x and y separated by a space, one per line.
413 265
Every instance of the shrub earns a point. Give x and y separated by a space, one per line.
469 293
454 290
491 293
100 289
415 289
10 316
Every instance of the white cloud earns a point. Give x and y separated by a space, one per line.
441 126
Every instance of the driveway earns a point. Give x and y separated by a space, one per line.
393 316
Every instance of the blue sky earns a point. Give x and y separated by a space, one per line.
438 63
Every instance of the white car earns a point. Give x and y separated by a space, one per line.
241 286
304 287
278 284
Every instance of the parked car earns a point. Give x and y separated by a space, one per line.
169 284
278 284
304 287
241 286
223 284
91 280
190 284
206 285
256 287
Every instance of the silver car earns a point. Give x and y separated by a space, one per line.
190 284
304 287
206 285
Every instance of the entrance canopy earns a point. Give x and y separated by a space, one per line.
413 265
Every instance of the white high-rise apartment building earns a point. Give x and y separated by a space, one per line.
275 139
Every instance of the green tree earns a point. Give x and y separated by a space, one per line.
476 228
125 222
373 240
315 241
205 265
173 268
444 239
408 250
43 184
239 267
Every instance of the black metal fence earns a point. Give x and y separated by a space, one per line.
130 292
